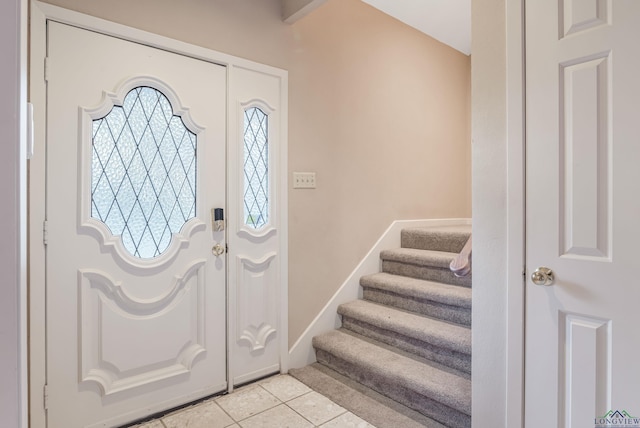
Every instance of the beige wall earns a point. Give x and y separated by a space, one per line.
379 111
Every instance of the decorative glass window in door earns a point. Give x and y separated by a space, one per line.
143 172
256 168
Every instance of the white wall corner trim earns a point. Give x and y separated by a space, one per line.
498 158
302 352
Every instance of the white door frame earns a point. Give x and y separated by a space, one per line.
498 315
516 164
516 198
40 13
498 140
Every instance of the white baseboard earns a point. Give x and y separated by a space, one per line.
302 352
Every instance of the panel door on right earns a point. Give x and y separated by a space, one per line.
583 153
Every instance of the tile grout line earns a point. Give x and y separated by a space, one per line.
307 419
335 417
277 400
215 401
291 408
280 402
295 411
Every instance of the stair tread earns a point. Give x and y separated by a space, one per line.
432 258
442 238
453 295
445 387
438 333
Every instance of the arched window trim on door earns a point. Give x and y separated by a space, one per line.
94 226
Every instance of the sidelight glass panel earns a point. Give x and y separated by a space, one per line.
143 172
256 168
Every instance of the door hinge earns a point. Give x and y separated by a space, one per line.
226 248
45 232
30 131
46 69
45 396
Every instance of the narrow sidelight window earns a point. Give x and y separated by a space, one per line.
256 168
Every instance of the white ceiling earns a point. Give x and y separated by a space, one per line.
448 21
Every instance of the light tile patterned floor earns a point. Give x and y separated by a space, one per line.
276 402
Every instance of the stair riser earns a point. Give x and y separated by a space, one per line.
424 307
389 387
451 243
446 357
425 272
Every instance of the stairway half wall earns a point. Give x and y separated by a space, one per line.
302 352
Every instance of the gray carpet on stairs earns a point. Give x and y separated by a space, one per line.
443 301
431 389
403 355
419 289
422 264
446 343
450 239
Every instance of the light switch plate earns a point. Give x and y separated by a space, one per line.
304 180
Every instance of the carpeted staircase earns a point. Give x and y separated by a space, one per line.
403 355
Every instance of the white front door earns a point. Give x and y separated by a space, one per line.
583 212
136 299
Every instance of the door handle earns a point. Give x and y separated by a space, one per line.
542 276
218 250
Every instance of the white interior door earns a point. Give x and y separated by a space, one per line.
135 162
583 147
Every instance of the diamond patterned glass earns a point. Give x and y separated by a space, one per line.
256 168
143 172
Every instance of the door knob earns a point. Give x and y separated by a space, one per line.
542 276
217 250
